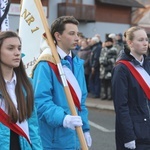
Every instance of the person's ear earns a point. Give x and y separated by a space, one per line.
57 36
130 43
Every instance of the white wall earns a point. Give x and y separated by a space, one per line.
88 2
53 10
101 28
13 22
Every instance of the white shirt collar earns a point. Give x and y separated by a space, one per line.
141 62
13 80
62 53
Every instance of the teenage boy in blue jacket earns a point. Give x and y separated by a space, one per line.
57 125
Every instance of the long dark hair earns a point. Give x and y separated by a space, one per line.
23 89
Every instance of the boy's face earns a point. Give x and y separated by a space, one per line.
68 40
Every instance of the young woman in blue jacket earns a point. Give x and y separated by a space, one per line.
18 119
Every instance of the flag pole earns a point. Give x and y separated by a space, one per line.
61 72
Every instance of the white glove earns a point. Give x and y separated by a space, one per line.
130 145
88 138
72 122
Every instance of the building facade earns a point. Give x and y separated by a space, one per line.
95 16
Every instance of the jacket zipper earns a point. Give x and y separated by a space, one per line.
148 107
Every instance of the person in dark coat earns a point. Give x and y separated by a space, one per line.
84 53
132 105
94 80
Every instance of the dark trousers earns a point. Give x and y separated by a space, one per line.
87 81
94 83
106 89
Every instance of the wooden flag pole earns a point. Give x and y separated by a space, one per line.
64 81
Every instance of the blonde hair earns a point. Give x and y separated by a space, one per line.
129 34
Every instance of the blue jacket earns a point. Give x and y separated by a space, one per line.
33 133
131 105
52 106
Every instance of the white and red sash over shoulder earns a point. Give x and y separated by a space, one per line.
142 77
19 128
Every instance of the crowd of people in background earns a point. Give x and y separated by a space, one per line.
99 58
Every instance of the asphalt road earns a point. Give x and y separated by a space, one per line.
102 123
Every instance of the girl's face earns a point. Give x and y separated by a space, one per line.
139 44
10 53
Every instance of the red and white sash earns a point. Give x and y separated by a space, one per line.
19 128
142 77
74 87
72 83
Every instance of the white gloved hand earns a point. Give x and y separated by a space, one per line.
130 145
72 122
88 138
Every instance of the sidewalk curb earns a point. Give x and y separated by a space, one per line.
100 106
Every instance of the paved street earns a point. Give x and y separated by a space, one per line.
102 123
100 104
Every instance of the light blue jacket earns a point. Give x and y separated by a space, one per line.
35 139
52 106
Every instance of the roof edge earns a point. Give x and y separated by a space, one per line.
132 3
